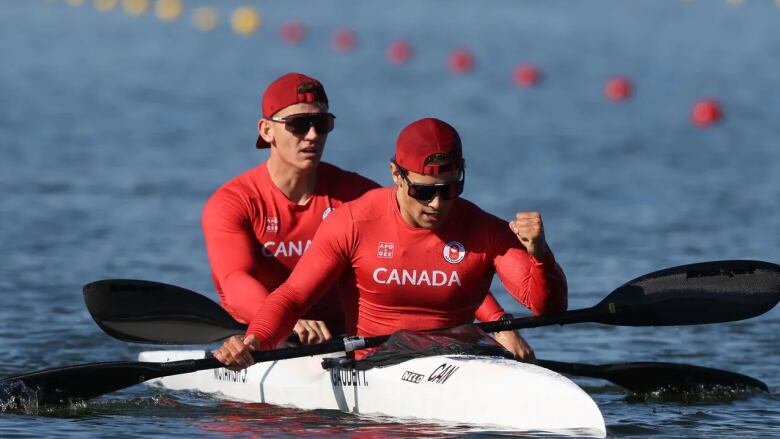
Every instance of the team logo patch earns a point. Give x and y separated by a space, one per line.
327 212
454 252
385 250
272 224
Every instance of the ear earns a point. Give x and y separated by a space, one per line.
264 128
397 179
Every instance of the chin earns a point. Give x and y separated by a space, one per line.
309 163
428 224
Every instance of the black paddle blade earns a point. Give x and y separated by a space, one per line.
72 384
646 377
143 311
643 377
707 292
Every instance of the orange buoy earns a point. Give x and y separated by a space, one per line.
344 40
618 88
706 112
460 61
526 75
399 52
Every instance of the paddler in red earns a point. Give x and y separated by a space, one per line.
415 256
258 225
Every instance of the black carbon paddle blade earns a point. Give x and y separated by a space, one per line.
72 384
646 377
707 292
142 311
64 385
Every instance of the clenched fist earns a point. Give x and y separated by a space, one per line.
530 231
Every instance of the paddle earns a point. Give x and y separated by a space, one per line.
708 292
647 376
145 308
749 288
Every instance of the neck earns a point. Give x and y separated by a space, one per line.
296 184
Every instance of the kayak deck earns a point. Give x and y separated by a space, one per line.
489 392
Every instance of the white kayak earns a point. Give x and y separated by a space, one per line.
490 392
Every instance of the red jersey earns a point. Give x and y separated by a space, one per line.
255 236
403 277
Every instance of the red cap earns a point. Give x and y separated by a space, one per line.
290 89
424 138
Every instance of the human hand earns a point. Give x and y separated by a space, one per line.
528 228
236 352
514 343
312 331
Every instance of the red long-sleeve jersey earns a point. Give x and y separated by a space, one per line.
395 276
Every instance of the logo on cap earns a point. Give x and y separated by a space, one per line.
454 252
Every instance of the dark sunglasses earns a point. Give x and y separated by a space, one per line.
300 124
427 192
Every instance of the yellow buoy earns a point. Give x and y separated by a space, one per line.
105 5
245 20
205 18
168 10
135 7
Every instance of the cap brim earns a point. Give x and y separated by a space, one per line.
260 144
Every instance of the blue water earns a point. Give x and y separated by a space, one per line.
114 130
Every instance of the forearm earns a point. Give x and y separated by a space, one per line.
539 284
489 310
275 320
242 295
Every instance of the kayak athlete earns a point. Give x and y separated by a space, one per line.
258 225
414 256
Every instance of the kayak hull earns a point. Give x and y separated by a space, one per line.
491 392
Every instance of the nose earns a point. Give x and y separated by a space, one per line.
435 201
311 134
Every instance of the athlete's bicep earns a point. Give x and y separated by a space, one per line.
228 235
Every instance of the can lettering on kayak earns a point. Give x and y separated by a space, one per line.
442 373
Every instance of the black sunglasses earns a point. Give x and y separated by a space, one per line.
427 192
300 124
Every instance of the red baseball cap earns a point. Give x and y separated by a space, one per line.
290 89
424 138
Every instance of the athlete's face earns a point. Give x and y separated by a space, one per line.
423 214
301 152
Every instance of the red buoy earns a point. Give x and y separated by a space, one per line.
344 40
460 61
399 52
618 89
526 75
706 112
292 32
